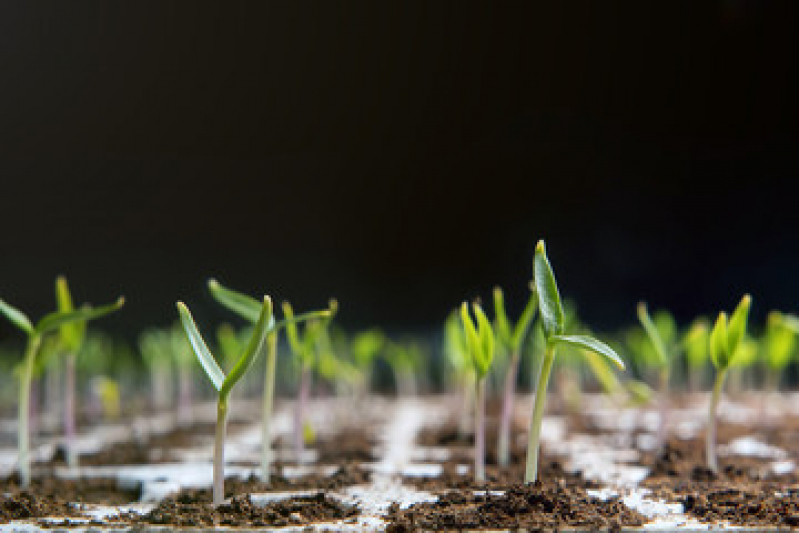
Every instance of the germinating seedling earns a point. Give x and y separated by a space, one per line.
481 342
456 349
248 308
725 341
551 310
779 344
510 338
224 384
35 333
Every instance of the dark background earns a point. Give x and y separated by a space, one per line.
400 156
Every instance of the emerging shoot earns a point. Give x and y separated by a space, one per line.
552 318
725 341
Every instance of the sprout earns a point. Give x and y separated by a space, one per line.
35 333
552 319
725 341
480 340
695 346
404 358
510 338
248 308
660 333
779 344
224 383
364 348
456 350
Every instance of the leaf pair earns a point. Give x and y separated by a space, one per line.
64 317
479 338
551 309
726 336
512 337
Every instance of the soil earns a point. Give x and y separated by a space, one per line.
185 511
347 445
544 506
26 505
61 491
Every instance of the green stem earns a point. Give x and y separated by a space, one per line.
269 394
479 431
219 449
23 445
710 434
531 472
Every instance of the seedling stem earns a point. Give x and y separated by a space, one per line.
710 437
533 443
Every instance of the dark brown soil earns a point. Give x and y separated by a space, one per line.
26 505
61 491
547 506
348 445
241 512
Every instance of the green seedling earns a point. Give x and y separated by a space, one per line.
248 308
510 337
364 347
404 358
660 333
47 324
481 342
695 346
224 383
779 346
155 349
725 341
552 318
456 350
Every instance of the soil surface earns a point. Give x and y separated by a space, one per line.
185 511
547 506
57 490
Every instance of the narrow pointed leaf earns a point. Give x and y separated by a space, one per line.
736 328
589 343
56 320
304 317
472 338
254 347
291 329
523 325
71 333
503 328
546 287
718 343
652 333
202 352
16 317
242 304
485 335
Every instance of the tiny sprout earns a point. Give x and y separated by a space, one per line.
224 383
480 340
552 318
248 308
779 344
65 316
725 340
510 338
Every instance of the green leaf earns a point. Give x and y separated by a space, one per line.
243 305
291 329
254 347
523 325
202 352
504 335
55 320
547 289
736 329
16 317
719 351
72 333
779 341
652 333
589 343
791 322
485 354
695 343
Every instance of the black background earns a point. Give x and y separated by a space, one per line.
400 156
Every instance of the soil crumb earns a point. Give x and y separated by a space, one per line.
545 506
241 512
57 491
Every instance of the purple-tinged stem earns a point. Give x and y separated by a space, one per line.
69 411
479 432
508 400
710 433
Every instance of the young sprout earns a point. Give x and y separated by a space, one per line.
404 358
725 340
224 384
510 338
154 346
481 342
248 308
660 334
457 351
695 347
779 344
364 348
552 319
35 333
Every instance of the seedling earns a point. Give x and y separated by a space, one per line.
155 347
481 342
364 347
404 359
35 333
456 349
779 345
660 334
695 345
248 308
510 338
725 340
552 318
224 383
